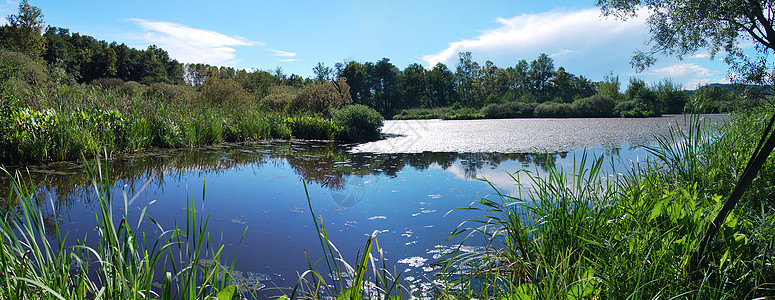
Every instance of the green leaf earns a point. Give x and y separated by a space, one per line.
228 293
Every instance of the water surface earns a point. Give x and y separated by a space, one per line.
405 187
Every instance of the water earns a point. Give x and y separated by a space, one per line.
405 187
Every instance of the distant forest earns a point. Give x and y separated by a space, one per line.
528 89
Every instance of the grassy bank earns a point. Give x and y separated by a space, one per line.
59 122
583 235
587 235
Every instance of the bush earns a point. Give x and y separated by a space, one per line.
320 98
169 92
107 83
633 109
132 88
554 110
509 110
216 90
280 98
594 106
21 67
359 122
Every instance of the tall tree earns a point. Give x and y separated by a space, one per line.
441 86
24 33
466 74
684 27
413 87
322 72
541 71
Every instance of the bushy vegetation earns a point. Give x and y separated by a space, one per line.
358 122
634 236
179 263
581 235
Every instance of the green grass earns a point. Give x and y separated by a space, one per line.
635 236
59 122
583 235
124 264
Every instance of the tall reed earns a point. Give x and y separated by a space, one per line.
37 263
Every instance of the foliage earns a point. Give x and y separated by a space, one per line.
281 98
553 109
682 28
509 110
358 122
322 97
219 91
23 33
633 236
18 66
594 106
122 265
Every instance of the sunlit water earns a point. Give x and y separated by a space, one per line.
406 187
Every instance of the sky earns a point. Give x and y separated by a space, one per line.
296 35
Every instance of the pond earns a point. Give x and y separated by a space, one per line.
405 187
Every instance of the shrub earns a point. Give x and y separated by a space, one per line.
132 88
21 67
632 109
594 106
509 110
216 90
107 83
280 98
359 122
322 97
554 110
169 92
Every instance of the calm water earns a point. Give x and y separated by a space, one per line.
403 187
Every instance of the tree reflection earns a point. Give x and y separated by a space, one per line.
326 164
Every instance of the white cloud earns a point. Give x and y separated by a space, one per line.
683 70
562 52
192 45
701 55
287 60
560 32
281 53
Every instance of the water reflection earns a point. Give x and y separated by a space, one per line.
329 165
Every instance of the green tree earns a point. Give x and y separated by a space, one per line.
610 87
24 32
322 72
467 75
683 27
441 86
540 73
413 87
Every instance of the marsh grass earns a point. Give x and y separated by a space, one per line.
37 263
637 235
45 123
368 277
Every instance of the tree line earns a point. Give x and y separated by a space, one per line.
470 90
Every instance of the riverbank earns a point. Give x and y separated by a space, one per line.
40 123
577 234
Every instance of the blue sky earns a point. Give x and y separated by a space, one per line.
296 35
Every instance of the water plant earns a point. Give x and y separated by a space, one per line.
38 263
636 235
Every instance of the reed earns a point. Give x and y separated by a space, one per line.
37 263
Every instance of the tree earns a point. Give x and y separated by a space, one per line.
684 27
540 73
467 75
322 72
441 86
25 31
413 86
